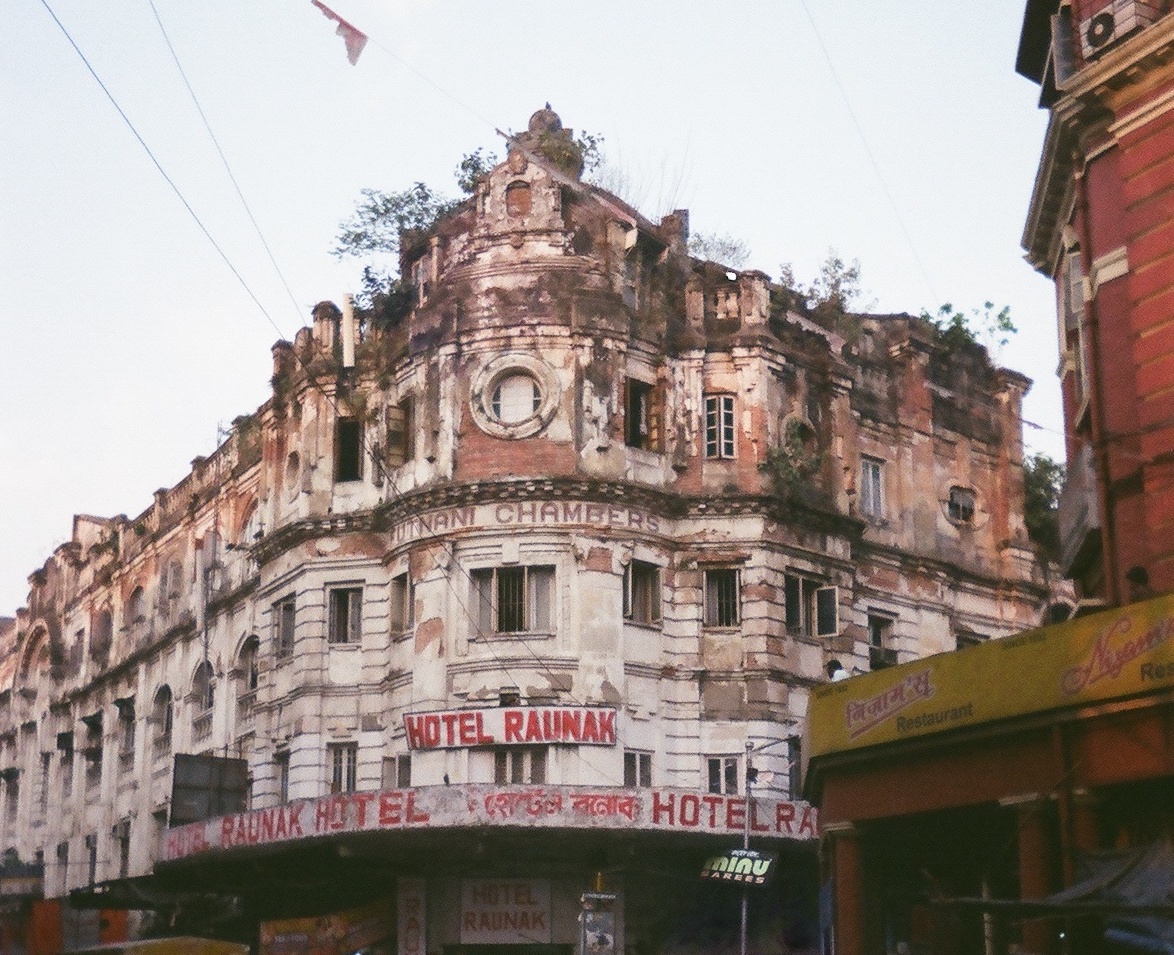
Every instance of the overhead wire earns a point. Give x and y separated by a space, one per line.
868 151
223 158
331 398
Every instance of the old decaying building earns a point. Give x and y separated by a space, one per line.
502 591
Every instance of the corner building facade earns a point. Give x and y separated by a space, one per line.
500 596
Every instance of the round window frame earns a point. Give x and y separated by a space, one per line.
980 517
492 373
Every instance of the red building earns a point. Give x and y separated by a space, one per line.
1101 223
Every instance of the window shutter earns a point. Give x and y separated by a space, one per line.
827 611
355 616
656 418
541 581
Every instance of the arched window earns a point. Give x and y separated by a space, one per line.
101 637
248 676
203 688
161 720
135 608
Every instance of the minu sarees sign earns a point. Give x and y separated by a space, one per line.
1117 653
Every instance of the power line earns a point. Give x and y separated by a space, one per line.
166 178
223 158
868 152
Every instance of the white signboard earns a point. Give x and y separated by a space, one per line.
512 726
505 912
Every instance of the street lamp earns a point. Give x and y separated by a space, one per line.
751 778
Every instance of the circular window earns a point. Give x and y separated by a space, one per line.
514 396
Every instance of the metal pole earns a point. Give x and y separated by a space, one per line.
746 841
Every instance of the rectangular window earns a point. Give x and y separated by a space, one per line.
281 763
346 615
91 859
126 737
637 770
63 863
880 653
402 599
348 450
122 838
723 774
794 767
642 592
403 771
283 626
722 597
344 766
46 777
519 765
871 502
400 432
719 426
643 415
811 610
11 793
514 599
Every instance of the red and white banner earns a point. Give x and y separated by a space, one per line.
517 807
512 726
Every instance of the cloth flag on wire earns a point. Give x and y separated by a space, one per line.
354 38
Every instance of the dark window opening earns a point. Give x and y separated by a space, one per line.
960 505
643 415
722 597
348 447
346 615
637 770
642 592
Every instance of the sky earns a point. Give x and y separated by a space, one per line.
894 132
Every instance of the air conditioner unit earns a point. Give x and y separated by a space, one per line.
1115 22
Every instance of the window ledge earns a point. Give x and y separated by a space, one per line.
654 626
345 646
514 635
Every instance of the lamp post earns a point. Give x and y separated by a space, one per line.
751 778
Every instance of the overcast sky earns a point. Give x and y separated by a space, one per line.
895 132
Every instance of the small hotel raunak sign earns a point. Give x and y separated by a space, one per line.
512 726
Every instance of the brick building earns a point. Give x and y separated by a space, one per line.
496 598
1100 225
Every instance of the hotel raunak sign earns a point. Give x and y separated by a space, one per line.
478 806
512 726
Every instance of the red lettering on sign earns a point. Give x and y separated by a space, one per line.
713 802
390 808
810 821
735 813
784 815
666 808
690 810
413 815
533 728
754 824
513 726
607 726
482 736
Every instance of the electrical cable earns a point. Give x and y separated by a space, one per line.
223 158
868 152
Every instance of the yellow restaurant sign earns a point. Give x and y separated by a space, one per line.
1116 653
